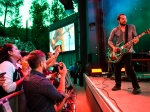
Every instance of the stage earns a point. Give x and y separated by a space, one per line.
102 99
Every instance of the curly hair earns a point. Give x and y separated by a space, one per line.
4 56
118 17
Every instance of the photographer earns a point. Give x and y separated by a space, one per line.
41 95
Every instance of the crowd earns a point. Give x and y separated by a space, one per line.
33 73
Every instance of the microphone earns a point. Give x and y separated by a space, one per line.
61 48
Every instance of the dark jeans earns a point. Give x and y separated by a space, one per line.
71 73
126 60
75 78
81 79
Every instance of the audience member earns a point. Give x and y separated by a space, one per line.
50 67
71 69
24 55
52 60
49 54
41 95
9 56
24 64
75 67
80 73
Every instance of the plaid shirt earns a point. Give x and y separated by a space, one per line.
118 36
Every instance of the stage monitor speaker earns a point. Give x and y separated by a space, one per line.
89 58
92 57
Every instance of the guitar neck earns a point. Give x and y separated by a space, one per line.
130 42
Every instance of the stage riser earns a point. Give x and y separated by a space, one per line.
92 101
97 100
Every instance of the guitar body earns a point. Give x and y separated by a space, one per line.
114 57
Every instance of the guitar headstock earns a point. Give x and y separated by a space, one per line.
147 31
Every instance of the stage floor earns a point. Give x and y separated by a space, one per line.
124 99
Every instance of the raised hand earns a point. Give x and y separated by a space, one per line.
62 69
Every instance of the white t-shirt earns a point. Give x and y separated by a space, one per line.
9 68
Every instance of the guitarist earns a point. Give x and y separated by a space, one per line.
125 33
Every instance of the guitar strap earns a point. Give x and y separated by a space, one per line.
126 34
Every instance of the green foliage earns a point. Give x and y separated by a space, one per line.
57 12
2 30
39 33
16 32
37 12
8 7
16 17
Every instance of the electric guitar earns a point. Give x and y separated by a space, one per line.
115 57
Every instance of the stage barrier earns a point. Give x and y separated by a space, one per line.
14 102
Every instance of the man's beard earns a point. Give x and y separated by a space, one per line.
123 24
44 69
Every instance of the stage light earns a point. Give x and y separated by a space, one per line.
97 70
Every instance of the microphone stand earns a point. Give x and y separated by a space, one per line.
67 30
69 39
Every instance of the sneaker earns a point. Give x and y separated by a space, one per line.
115 88
136 91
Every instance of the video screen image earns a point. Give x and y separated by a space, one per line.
67 36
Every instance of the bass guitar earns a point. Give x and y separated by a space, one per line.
114 57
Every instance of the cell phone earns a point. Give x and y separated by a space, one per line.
2 74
